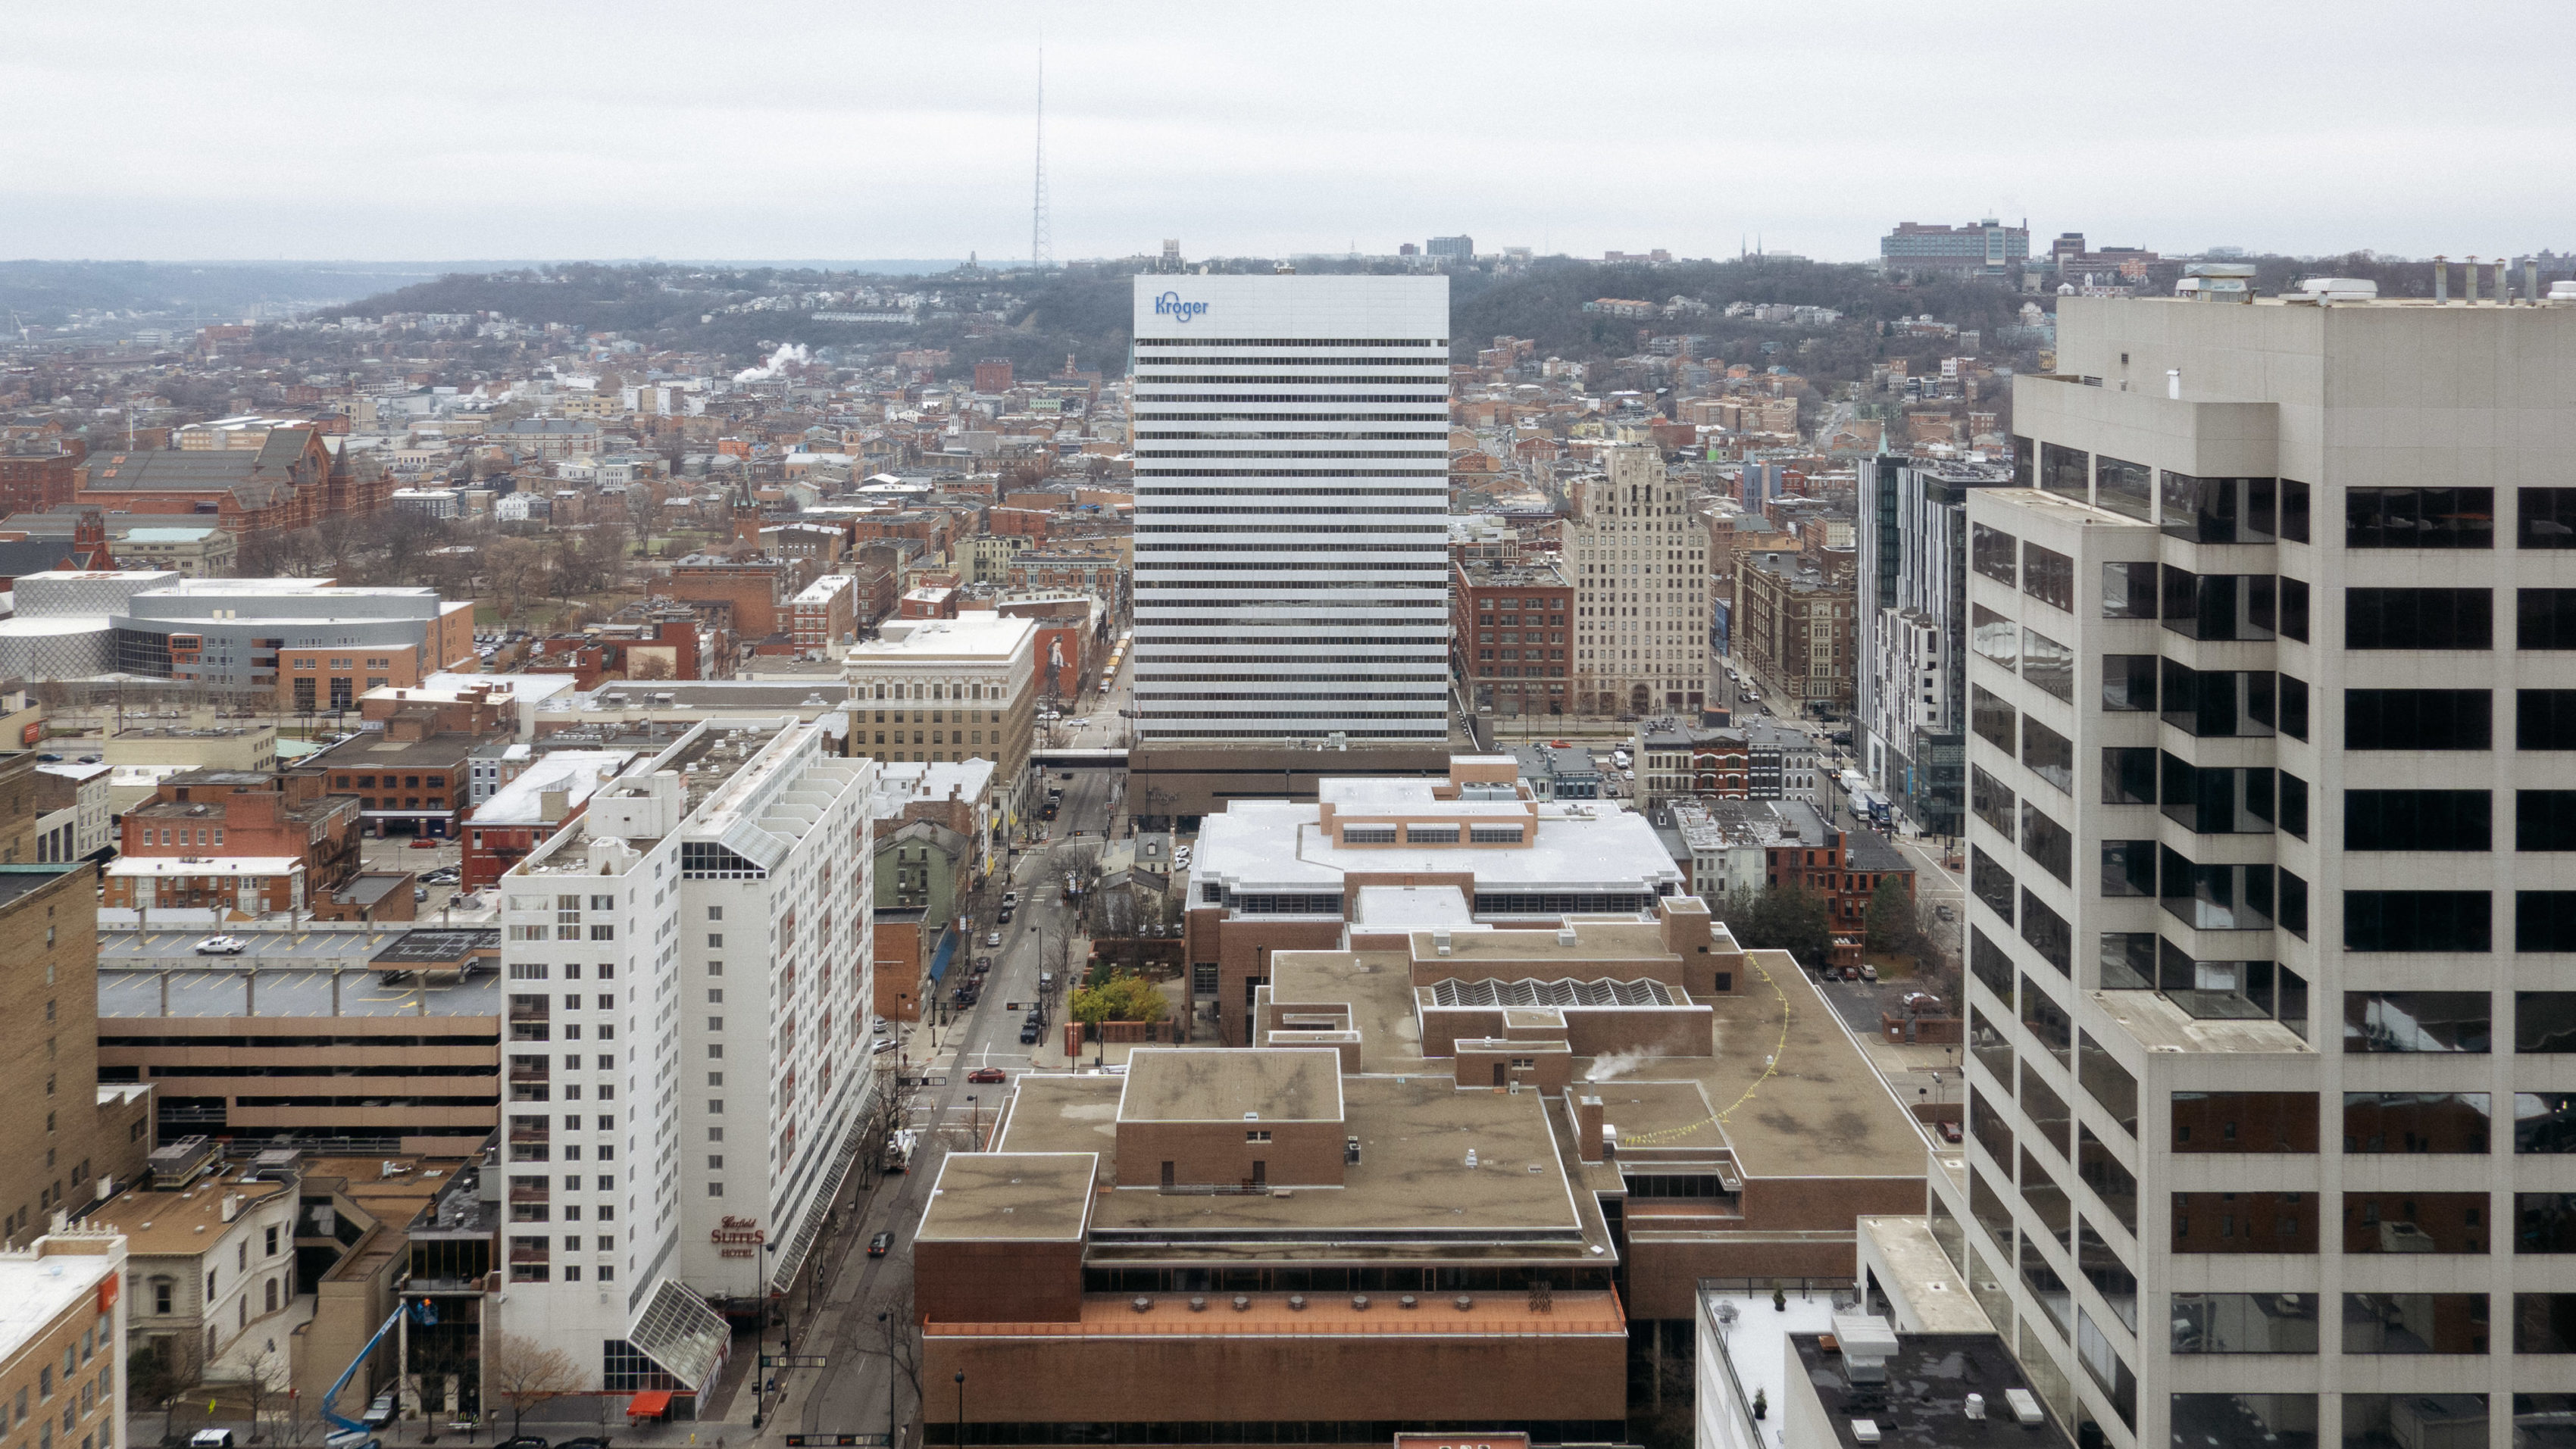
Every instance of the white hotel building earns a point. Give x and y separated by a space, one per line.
2271 1068
1292 501
685 1059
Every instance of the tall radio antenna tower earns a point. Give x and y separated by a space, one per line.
1041 246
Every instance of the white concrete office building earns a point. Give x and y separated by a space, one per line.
1292 500
2271 1082
689 976
1639 565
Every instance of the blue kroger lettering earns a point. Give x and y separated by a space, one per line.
1170 305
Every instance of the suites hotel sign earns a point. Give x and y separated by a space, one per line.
737 1237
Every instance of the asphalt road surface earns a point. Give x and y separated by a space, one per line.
836 1317
291 950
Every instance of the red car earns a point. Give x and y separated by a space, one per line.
986 1075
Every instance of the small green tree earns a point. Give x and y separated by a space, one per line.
1891 925
1122 997
1785 918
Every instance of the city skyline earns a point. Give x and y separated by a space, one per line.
1814 135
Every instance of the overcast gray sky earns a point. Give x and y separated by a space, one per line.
845 131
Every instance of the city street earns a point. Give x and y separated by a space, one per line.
848 1395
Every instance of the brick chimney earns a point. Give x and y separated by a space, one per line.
1587 1128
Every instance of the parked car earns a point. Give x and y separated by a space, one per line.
992 938
524 1441
1010 900
222 946
1949 1131
879 1245
419 894
1005 917
985 1076
380 1411
211 1439
1028 1033
1869 973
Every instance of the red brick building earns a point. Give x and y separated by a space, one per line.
1068 641
290 481
1022 522
206 818
755 588
37 480
824 614
550 794
1096 574
1801 848
993 374
663 649
1508 636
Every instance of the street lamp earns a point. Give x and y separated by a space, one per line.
759 1333
961 1406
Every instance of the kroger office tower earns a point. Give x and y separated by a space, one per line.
1292 501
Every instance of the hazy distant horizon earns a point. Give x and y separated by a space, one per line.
2300 127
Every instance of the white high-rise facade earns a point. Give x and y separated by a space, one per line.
1639 564
2271 1068
1292 502
686 1063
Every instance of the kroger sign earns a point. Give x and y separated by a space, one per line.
1170 305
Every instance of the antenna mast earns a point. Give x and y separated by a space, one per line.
1041 246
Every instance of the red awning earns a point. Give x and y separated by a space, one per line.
650 1404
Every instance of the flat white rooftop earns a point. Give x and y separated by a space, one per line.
36 1286
1281 845
578 773
1413 908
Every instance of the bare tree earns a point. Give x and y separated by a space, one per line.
889 1112
341 540
266 1378
1021 476
164 1374
515 569
524 1374
402 538
645 512
898 1338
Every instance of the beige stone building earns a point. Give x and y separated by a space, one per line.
62 1339
64 1136
1639 566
